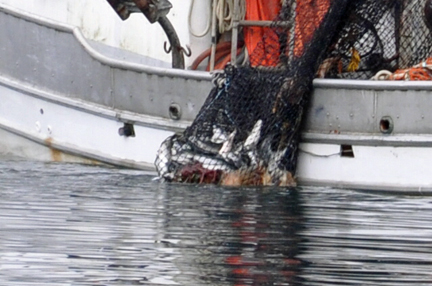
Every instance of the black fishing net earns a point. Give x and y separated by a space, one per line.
248 130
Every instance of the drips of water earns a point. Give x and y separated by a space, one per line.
66 224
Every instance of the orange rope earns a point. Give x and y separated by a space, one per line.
422 71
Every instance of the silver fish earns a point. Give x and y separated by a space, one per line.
183 158
176 147
228 144
204 145
254 136
163 158
232 158
211 163
253 158
219 136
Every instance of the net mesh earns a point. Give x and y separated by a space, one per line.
248 130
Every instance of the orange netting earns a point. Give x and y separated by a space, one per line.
309 14
264 42
262 10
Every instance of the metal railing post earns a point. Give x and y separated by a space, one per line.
234 37
213 36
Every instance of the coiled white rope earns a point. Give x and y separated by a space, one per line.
382 75
224 14
208 23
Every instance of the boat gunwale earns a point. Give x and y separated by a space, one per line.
372 84
125 65
363 139
200 75
97 109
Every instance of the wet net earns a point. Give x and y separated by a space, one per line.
248 130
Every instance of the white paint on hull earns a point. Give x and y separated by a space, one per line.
16 145
383 167
70 130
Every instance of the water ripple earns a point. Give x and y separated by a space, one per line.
68 224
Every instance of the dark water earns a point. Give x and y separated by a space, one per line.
66 224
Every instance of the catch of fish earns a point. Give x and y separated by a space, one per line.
218 159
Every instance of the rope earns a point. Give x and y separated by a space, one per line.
224 14
422 71
208 24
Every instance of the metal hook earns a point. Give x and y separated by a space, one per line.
186 51
165 48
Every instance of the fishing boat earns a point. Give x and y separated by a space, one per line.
80 84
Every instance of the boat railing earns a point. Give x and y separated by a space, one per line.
237 22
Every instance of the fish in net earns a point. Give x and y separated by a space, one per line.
248 130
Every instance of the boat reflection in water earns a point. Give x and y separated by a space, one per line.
308 236
234 236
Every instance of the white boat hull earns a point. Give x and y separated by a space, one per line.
372 167
75 128
32 126
67 102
